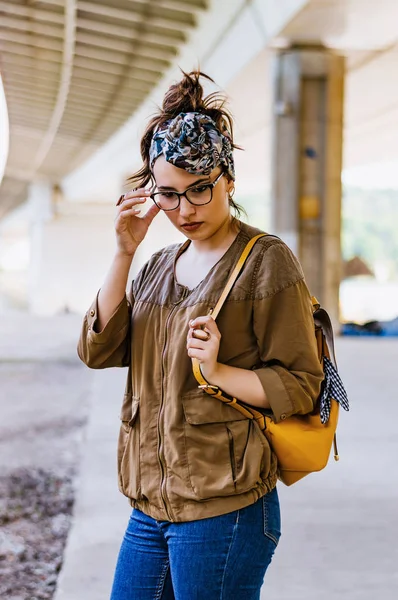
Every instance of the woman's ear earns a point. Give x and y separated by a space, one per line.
230 188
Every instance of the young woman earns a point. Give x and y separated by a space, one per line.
200 476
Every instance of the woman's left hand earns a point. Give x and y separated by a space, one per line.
203 343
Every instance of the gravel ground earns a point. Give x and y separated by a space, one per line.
44 403
35 515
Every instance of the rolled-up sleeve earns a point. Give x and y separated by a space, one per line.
290 371
110 347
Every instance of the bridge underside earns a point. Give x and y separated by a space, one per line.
74 71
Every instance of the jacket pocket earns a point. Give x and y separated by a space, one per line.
224 451
129 448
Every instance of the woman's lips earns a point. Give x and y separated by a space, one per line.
191 226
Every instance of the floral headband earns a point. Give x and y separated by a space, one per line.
192 141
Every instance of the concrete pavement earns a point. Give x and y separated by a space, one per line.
340 527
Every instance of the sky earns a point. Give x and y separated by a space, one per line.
375 176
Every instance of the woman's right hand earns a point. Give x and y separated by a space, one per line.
130 228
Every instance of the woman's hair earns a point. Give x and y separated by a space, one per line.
183 97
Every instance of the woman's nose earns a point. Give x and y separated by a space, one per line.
186 208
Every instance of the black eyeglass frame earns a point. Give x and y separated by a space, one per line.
210 185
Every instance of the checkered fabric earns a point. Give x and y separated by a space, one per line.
332 388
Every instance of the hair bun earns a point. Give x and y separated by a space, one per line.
185 96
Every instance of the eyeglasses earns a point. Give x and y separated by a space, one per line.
198 196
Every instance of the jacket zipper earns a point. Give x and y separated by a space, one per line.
163 491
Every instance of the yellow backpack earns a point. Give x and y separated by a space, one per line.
302 443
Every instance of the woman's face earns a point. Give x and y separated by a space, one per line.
209 218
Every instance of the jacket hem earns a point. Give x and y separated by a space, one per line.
192 510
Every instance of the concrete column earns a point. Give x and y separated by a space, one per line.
307 162
71 248
41 213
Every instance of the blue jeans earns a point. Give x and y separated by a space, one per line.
220 558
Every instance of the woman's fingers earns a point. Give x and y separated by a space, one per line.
196 348
151 214
207 320
195 343
206 323
134 211
201 334
133 196
130 212
138 193
196 353
126 204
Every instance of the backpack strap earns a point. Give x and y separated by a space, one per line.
213 390
235 273
322 320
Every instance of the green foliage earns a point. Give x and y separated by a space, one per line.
369 224
370 227
257 207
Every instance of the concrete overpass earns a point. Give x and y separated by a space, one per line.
341 54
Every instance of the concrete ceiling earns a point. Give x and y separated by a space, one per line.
366 33
370 107
74 71
345 24
363 31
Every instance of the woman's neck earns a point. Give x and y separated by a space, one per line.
219 241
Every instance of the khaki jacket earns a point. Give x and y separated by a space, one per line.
183 455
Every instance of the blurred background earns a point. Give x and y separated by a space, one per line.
313 89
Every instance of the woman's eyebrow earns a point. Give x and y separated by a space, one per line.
165 187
